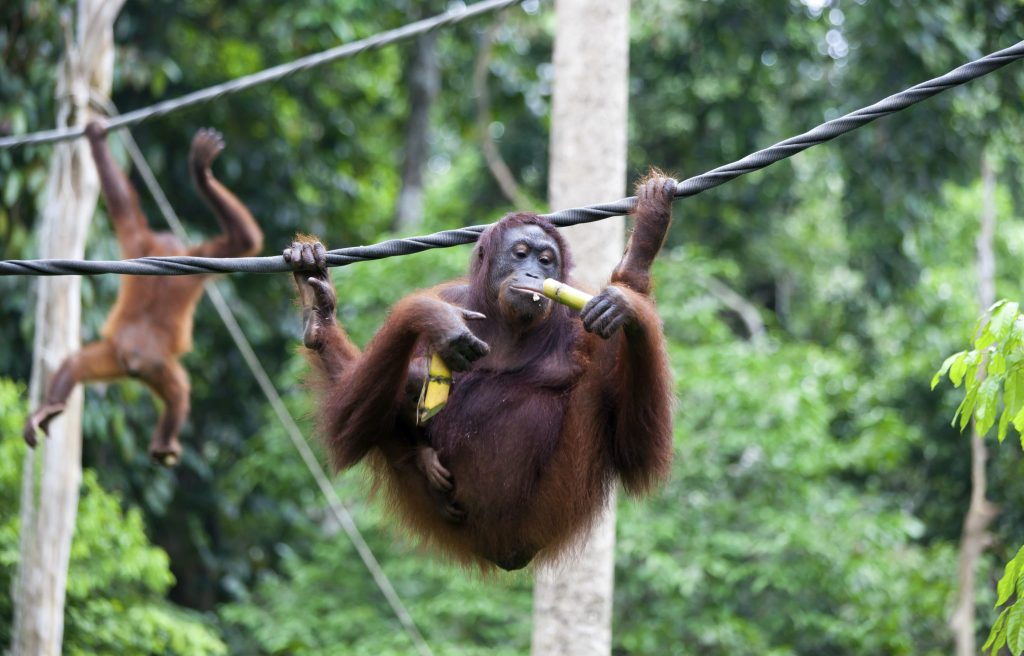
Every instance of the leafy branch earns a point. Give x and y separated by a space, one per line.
994 367
994 364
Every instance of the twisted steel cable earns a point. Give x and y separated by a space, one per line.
173 266
455 15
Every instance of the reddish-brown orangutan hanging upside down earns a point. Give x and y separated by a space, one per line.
151 323
547 409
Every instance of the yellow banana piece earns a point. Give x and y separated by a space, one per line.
436 387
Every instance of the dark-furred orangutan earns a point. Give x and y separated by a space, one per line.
548 408
150 325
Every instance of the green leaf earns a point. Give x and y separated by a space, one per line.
1012 392
1018 422
997 326
1000 640
1015 628
1004 424
996 364
973 362
985 409
945 367
1008 582
958 368
1002 320
1016 336
966 409
1012 400
998 632
992 309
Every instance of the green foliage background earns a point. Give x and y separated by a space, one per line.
818 492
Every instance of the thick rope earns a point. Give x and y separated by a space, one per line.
456 14
334 503
173 266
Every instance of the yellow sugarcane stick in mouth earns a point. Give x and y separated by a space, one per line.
560 292
566 295
438 384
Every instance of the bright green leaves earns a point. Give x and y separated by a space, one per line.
1013 403
997 637
947 368
1008 583
998 328
1008 629
994 365
985 406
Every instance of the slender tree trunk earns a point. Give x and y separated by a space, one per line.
573 603
49 505
492 155
424 80
975 537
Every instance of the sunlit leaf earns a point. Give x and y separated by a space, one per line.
973 361
998 632
985 410
1002 320
1013 400
966 409
992 309
996 364
1004 424
1013 392
1016 337
1008 582
1018 421
945 367
1015 628
958 368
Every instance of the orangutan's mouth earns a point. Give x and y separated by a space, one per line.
537 294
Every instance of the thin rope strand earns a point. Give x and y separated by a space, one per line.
455 15
334 503
170 266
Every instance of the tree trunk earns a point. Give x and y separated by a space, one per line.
492 155
424 80
744 309
573 603
975 537
48 507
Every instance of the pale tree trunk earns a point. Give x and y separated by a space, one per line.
49 504
424 80
975 537
744 309
573 602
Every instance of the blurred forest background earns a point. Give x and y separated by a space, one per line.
819 490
